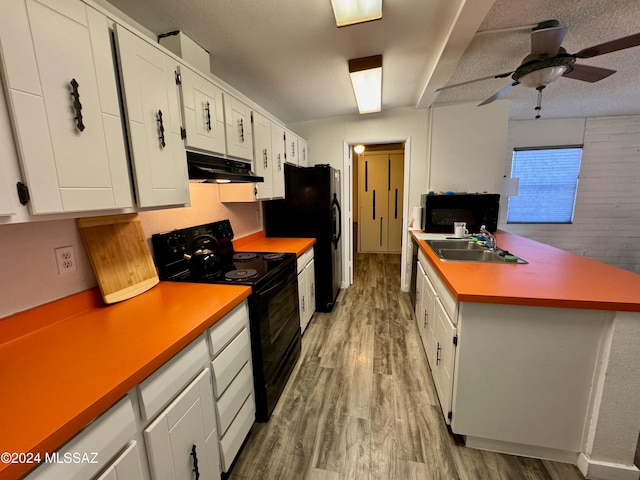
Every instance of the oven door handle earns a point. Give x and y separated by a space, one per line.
278 284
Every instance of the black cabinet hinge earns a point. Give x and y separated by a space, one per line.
23 193
178 78
183 133
455 339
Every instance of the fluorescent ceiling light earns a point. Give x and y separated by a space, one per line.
366 78
348 12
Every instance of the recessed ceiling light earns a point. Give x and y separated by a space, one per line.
349 12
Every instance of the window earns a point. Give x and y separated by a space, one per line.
548 184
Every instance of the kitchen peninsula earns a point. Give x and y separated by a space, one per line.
539 359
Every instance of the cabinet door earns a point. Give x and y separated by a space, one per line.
310 272
203 112
445 334
183 435
395 186
62 94
419 311
278 156
429 341
126 467
303 155
238 130
263 157
291 145
153 115
302 302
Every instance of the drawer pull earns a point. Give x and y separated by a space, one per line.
194 454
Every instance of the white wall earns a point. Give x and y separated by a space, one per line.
326 139
29 270
467 147
606 224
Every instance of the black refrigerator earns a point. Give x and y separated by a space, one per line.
311 209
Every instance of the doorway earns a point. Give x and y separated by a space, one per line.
378 198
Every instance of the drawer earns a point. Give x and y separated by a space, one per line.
167 382
126 466
228 327
304 259
232 441
105 436
449 303
227 365
230 402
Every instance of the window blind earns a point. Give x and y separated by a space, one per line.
548 184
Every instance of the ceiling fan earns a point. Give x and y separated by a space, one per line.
548 61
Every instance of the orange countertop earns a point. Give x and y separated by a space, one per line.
552 278
64 363
257 242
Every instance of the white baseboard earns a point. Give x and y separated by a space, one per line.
606 471
522 450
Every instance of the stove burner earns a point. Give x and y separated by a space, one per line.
244 256
241 274
273 256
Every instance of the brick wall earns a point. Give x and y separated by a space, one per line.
606 224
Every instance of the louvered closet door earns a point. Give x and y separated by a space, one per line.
380 179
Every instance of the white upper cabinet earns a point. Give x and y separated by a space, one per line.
203 110
152 109
278 154
63 100
303 153
239 133
263 155
291 145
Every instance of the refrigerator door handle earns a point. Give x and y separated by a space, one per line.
336 205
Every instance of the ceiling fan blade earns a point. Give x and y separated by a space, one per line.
500 75
547 41
587 73
608 47
499 94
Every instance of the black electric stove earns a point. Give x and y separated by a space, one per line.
205 254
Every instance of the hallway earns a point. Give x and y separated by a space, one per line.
361 403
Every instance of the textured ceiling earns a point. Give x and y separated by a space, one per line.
589 22
289 57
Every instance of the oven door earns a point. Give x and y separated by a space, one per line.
275 337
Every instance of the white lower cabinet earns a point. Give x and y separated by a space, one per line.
434 308
126 467
93 448
182 442
306 288
233 390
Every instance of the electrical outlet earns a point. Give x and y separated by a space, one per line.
66 259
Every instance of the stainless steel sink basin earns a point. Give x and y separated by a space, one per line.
454 245
465 251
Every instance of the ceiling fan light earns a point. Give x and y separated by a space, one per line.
349 12
366 78
542 77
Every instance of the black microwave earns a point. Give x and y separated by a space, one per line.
439 212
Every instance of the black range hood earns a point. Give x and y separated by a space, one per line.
209 168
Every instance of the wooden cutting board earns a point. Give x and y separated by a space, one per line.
119 254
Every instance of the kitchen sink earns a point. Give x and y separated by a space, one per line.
454 245
466 251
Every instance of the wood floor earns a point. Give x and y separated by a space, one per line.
361 403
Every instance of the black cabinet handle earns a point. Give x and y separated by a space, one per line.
208 116
366 176
438 354
194 454
161 129
77 106
380 231
279 162
265 158
241 127
396 206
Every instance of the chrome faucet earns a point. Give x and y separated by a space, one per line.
493 246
